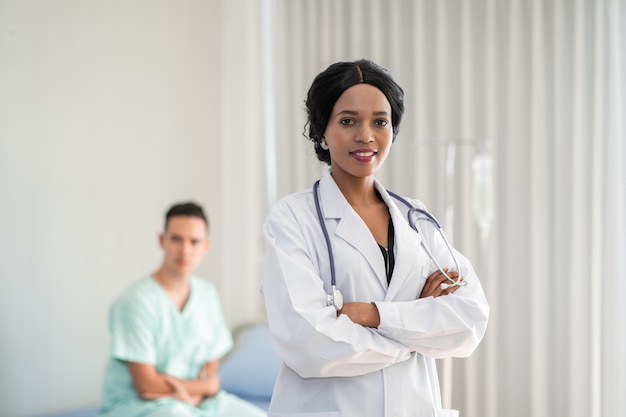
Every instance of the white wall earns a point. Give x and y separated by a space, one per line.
109 112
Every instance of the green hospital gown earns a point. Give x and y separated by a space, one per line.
147 328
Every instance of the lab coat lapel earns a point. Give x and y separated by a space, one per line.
407 246
351 227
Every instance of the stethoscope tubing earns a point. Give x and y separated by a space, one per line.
432 219
412 224
331 258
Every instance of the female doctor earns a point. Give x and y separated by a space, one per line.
374 354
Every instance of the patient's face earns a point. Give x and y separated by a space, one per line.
185 242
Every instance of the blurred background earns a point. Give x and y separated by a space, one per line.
513 136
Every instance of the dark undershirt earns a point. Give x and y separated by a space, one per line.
388 255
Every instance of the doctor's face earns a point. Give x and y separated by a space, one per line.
184 243
359 132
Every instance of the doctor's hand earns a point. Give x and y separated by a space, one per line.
365 314
432 287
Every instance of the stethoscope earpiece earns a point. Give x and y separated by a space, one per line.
456 283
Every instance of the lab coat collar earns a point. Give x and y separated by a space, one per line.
353 230
351 227
407 247
334 204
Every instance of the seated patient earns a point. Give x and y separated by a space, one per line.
168 333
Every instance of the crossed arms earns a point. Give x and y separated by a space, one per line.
151 385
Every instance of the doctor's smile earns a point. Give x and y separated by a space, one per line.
364 155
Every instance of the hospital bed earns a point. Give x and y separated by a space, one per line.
248 371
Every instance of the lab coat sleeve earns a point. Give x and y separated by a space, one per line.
448 326
307 335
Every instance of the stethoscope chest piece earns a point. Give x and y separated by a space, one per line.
334 298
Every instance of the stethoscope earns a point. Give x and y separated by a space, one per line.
335 298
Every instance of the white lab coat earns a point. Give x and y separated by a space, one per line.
333 367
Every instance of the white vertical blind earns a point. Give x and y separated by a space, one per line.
539 84
242 161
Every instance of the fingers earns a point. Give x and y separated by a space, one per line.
178 391
450 288
432 286
175 391
175 385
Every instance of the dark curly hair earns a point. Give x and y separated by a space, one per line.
330 84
